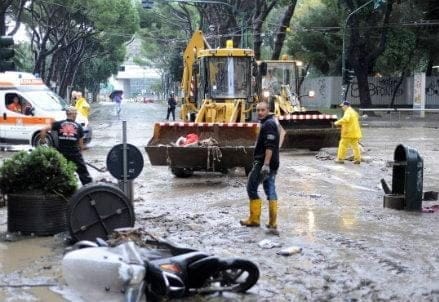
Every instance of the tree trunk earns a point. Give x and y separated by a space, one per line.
395 90
65 73
363 51
49 74
257 42
17 20
430 63
4 5
39 63
2 23
262 9
405 72
281 32
363 85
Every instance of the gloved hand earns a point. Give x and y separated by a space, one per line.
265 171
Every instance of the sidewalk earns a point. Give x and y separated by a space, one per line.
392 119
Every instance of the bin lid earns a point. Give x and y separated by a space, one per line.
400 154
407 154
96 210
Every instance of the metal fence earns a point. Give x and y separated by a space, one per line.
328 91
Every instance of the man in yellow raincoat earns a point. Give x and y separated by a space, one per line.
81 105
350 134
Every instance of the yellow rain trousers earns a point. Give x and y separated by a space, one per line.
345 144
350 134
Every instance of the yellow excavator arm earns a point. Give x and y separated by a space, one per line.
195 44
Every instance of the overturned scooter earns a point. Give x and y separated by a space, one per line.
128 272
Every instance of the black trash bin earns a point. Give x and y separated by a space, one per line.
407 180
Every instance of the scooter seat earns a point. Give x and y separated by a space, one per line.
183 260
154 254
174 248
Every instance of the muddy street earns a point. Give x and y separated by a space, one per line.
352 248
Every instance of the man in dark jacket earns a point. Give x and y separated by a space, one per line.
70 142
172 102
265 166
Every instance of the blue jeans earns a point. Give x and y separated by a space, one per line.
254 180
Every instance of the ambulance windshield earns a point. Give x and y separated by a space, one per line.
46 100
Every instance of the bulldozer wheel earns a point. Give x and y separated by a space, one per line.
182 172
224 171
316 148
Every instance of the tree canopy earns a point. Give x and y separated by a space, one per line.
81 43
73 40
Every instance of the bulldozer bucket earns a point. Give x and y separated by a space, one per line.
309 130
235 146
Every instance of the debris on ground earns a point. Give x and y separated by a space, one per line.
431 209
274 232
137 235
324 155
107 181
268 244
290 251
430 196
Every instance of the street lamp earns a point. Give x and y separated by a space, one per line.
377 4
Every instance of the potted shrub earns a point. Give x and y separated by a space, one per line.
38 185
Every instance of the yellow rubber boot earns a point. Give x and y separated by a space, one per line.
255 214
272 214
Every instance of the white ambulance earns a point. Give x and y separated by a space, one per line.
37 107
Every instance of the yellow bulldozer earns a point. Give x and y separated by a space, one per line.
220 87
216 107
278 84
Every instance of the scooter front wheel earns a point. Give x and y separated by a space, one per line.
238 275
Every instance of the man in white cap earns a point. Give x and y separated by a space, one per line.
70 142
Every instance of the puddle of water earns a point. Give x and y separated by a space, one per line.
67 293
17 255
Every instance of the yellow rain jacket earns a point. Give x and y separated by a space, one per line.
82 107
350 126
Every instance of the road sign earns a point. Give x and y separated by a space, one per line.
115 161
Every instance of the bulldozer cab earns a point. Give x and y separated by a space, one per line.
280 85
309 129
279 75
225 77
224 85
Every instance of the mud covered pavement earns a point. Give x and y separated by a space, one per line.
353 249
